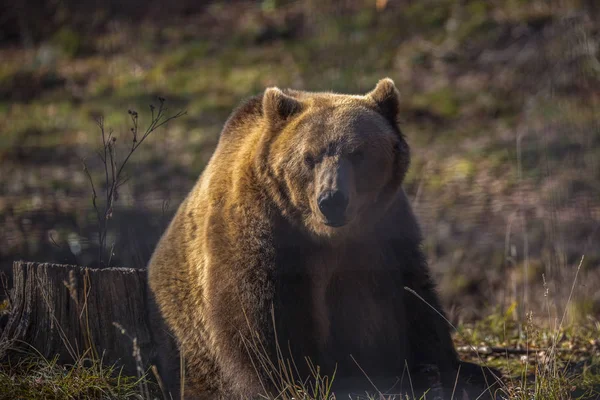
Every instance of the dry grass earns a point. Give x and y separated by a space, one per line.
36 378
543 356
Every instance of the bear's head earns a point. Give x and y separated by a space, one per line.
334 162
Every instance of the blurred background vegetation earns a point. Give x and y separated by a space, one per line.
500 103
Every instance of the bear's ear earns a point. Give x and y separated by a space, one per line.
386 97
278 105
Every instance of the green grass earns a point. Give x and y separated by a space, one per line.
36 378
555 363
541 360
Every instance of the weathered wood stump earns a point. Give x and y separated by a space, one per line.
74 312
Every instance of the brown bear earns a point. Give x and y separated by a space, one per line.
296 243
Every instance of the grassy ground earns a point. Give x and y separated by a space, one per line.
539 361
37 378
500 106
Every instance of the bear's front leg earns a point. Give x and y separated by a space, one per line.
429 336
239 294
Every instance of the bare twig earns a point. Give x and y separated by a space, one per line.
96 208
113 169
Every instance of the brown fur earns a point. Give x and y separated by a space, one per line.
250 239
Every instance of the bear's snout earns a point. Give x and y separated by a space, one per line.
335 183
333 204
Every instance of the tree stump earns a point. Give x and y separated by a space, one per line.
72 312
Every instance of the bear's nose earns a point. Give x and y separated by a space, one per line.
333 205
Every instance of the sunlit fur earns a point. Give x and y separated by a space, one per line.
332 130
348 124
249 239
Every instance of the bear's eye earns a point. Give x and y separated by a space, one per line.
356 156
309 161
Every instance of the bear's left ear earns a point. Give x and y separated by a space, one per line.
386 97
278 105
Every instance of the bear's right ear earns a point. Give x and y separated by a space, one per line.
278 105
